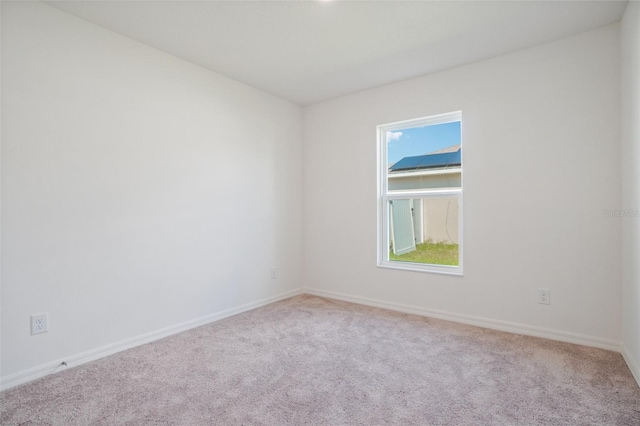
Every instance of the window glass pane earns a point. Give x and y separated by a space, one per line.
424 157
424 230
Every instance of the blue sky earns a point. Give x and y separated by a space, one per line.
421 140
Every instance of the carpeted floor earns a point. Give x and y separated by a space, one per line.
313 361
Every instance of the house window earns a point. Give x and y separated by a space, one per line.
420 194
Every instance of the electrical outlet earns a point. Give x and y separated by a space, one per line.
544 296
39 323
273 273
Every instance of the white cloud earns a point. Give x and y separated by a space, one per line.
393 136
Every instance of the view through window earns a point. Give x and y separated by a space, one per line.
420 174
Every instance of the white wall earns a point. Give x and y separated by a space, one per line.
138 191
541 164
630 45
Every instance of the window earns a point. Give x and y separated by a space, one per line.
420 194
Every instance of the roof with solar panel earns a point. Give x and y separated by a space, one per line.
444 158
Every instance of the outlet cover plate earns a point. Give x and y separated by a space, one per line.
544 296
39 323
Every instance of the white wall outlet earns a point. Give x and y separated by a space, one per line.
544 296
39 323
273 273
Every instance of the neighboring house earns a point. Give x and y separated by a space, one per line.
417 220
438 169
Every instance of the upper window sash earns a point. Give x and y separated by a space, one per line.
382 130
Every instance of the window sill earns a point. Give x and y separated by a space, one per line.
416 267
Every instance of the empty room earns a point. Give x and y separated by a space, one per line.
320 212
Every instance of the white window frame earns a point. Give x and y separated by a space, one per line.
385 195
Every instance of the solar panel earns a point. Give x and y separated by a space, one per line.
428 161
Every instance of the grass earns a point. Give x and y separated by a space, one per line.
431 253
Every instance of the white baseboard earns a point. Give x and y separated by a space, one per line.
94 354
631 363
507 326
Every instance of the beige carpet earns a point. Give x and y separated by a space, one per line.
313 361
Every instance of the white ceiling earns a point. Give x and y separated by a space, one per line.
310 51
